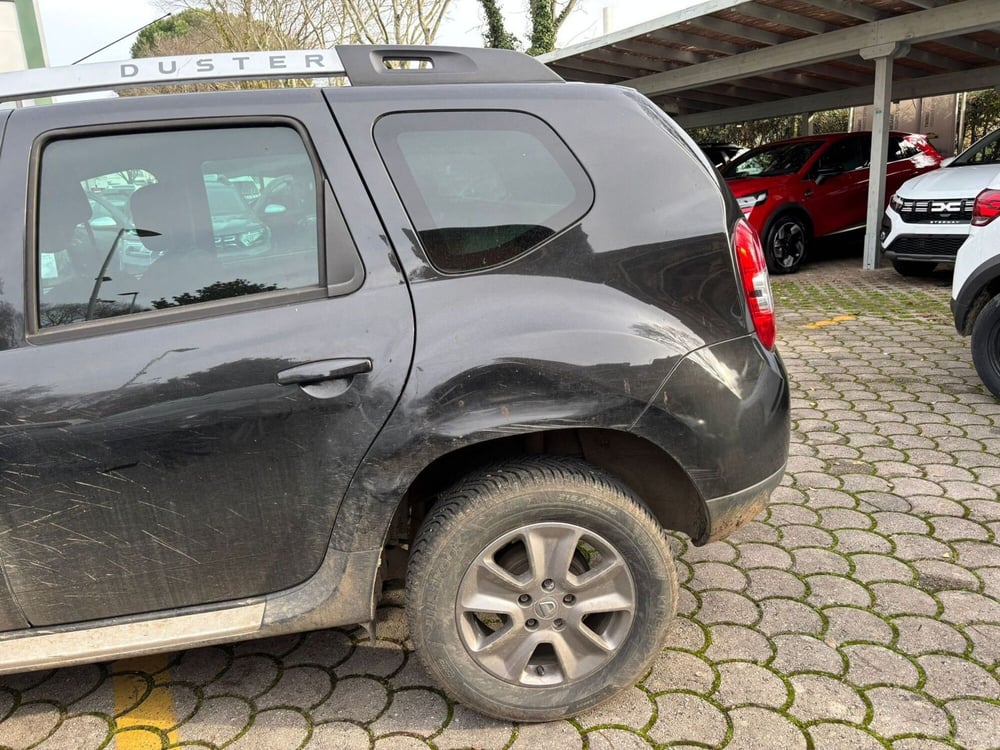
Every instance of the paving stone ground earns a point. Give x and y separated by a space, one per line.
861 610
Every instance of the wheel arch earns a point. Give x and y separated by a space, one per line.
795 209
982 286
651 472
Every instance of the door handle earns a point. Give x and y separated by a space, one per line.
326 369
808 193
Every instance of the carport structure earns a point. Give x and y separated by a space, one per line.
723 61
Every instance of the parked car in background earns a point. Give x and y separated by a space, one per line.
928 217
975 291
721 154
796 190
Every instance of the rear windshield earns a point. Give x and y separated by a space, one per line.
773 160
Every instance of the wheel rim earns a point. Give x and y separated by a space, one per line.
788 244
545 604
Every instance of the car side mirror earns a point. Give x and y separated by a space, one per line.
823 173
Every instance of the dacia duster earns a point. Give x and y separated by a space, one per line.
487 331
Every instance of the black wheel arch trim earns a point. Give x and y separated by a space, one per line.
791 208
982 284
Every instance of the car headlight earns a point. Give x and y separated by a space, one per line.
896 203
748 202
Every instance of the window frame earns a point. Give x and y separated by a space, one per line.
400 176
329 218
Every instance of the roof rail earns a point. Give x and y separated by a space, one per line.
362 65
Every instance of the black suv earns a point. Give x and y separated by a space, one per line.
503 332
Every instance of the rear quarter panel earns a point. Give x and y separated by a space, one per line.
584 330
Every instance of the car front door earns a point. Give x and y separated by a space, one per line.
179 429
838 198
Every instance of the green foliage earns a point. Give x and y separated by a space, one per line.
175 25
543 28
546 18
982 115
758 132
496 35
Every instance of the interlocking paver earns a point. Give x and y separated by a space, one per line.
731 642
819 697
685 717
870 665
831 735
861 609
744 683
854 624
896 712
755 727
976 723
953 677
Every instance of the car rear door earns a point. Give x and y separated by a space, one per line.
181 411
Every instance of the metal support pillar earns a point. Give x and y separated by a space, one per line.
883 56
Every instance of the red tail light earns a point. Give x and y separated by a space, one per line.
987 207
756 284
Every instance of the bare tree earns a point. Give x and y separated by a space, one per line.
305 24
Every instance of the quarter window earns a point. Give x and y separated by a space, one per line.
482 188
150 221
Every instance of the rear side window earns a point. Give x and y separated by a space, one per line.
138 222
482 188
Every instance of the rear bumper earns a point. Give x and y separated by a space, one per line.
728 513
724 416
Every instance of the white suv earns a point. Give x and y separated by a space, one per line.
927 220
975 291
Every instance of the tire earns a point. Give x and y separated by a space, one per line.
986 345
786 243
539 659
913 267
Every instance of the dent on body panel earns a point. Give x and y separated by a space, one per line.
731 400
541 347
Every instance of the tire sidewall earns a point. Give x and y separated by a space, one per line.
986 346
782 219
445 654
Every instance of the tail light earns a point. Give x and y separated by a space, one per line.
987 208
756 284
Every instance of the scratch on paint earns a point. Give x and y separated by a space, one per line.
169 546
98 487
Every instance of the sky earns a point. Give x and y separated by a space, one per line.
75 28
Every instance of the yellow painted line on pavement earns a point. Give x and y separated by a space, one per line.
157 710
831 322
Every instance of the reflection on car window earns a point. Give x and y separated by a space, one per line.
984 151
847 154
482 188
773 160
148 221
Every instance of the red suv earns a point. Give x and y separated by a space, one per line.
794 190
